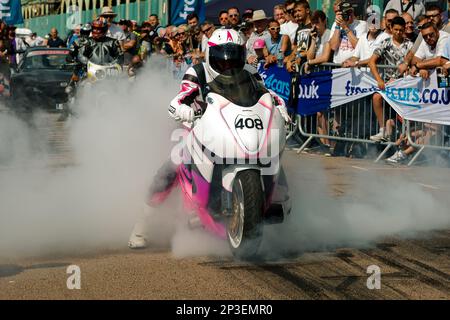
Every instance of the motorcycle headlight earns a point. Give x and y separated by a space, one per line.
68 90
100 74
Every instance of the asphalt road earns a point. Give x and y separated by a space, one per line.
412 267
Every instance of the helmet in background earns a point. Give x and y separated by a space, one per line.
99 29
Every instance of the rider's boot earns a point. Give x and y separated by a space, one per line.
139 235
160 189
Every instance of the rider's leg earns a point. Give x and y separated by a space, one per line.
162 185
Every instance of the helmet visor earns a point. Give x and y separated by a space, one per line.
227 59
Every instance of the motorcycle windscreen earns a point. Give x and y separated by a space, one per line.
242 88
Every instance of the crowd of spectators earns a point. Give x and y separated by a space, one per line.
409 36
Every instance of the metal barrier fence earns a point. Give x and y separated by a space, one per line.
421 136
354 122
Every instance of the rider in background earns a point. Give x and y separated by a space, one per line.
225 64
100 49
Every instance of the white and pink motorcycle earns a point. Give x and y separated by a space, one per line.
231 175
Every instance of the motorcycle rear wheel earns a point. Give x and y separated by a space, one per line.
245 226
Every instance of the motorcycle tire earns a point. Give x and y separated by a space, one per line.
245 226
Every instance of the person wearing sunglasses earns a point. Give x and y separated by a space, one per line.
433 15
430 51
289 27
414 7
223 18
275 50
233 18
207 29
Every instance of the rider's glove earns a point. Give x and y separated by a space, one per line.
185 113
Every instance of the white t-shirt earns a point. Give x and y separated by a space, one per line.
205 40
323 40
346 50
365 47
289 28
424 52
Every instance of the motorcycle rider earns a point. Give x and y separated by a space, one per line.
100 49
224 71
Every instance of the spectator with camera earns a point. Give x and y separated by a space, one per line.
346 31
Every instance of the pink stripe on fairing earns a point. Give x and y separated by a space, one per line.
160 197
211 44
201 197
199 202
269 128
226 123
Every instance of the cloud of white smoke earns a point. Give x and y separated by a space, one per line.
89 196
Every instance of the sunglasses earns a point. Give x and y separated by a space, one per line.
429 35
290 11
433 15
274 29
233 15
206 30
223 19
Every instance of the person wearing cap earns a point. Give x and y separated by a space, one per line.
260 22
115 32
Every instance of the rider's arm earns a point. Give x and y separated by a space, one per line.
189 90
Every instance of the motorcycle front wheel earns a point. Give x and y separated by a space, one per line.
245 226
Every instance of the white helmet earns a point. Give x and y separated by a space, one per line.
225 54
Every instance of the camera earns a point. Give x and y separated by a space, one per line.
346 8
244 26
